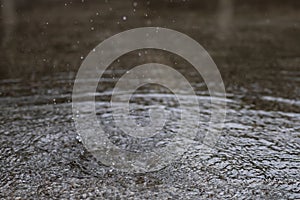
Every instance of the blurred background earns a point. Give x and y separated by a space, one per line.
255 44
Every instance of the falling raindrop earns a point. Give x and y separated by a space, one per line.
124 18
134 4
78 138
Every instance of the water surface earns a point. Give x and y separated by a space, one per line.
256 49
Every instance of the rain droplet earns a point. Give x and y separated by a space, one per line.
135 4
124 18
78 138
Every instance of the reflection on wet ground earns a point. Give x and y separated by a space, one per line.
257 156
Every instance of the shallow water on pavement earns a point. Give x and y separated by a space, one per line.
41 154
